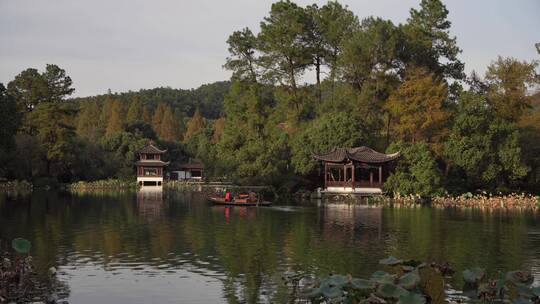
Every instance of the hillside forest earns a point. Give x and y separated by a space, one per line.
307 80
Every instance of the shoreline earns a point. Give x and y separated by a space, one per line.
481 200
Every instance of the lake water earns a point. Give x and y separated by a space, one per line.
177 248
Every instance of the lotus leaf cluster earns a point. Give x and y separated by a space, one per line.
401 285
511 287
414 282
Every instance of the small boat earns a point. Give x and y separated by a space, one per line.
242 200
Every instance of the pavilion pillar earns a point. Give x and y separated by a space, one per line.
353 180
380 175
370 178
325 175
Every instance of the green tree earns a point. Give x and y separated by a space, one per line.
336 25
196 123
169 129
56 136
508 82
323 134
369 52
157 118
116 121
122 148
282 42
485 148
146 116
416 170
87 125
252 146
428 42
242 60
417 106
217 129
58 83
9 120
134 111
9 123
30 88
141 129
179 118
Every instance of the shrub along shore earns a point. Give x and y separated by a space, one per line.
513 201
482 200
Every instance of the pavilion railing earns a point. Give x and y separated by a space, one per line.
356 184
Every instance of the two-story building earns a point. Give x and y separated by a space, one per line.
150 167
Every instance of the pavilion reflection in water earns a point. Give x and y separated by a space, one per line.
352 221
150 204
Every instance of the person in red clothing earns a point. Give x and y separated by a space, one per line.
228 197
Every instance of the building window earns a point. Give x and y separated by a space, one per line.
150 172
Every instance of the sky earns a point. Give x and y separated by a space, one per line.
126 45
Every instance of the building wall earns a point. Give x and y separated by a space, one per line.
142 180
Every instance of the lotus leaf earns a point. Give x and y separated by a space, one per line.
536 291
412 298
409 280
331 291
524 290
391 291
391 261
21 245
407 268
382 277
519 276
474 275
362 284
521 301
311 293
337 280
373 300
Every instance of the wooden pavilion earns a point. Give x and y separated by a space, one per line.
359 170
150 167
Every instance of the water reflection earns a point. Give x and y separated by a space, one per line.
175 247
150 205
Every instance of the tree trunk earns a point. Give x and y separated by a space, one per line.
318 71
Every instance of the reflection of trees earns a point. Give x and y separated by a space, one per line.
254 247
466 238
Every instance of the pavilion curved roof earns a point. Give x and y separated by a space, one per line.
151 149
152 163
361 154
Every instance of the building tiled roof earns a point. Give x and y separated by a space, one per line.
151 149
361 154
152 163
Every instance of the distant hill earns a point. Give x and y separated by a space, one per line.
208 97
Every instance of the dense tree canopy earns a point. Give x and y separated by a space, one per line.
484 147
322 135
393 87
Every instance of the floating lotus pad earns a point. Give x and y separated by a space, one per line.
519 276
331 291
362 284
382 277
410 280
391 261
391 291
337 280
474 275
21 245
412 298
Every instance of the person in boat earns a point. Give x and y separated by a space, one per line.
227 196
252 197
